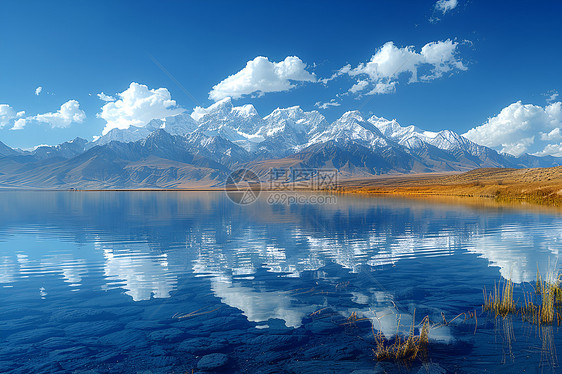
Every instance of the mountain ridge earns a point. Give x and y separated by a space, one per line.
181 150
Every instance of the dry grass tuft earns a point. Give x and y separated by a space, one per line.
544 312
500 302
404 348
540 307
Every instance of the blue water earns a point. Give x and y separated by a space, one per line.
109 282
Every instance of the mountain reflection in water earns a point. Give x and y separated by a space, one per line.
386 261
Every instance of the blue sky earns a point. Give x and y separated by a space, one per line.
502 53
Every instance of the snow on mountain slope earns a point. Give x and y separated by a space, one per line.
236 124
132 134
351 126
412 137
181 124
234 135
244 119
295 119
65 150
289 130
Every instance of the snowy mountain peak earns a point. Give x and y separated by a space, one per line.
413 137
293 117
351 115
392 129
285 113
220 109
182 124
224 111
450 140
132 134
223 103
288 130
351 126
247 110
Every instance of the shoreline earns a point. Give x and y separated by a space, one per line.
494 186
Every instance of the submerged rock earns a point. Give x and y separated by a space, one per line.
34 336
278 342
322 327
334 352
94 328
13 325
81 315
212 361
170 335
124 339
68 354
202 346
431 368
144 325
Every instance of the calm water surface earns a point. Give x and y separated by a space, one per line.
151 282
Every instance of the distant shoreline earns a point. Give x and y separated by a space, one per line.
537 186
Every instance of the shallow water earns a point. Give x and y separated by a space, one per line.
153 281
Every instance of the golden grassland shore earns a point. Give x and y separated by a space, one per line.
485 187
541 186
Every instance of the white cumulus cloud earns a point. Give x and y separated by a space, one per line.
331 103
8 114
522 128
359 86
68 113
444 6
105 97
390 62
137 106
551 96
38 90
383 88
440 8
19 124
261 76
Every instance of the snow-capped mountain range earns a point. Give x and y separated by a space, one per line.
292 129
181 150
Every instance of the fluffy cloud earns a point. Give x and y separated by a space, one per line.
38 90
261 76
330 103
68 113
383 88
444 6
344 70
551 96
359 86
137 106
105 97
19 124
8 114
382 72
523 128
